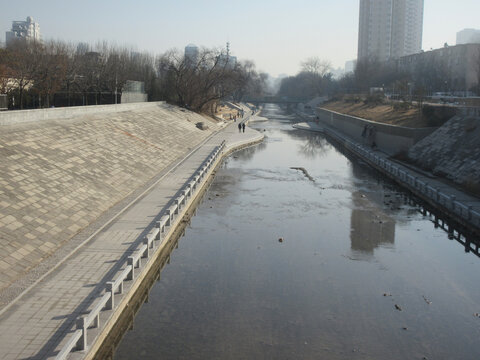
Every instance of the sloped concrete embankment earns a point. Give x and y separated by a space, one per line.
453 152
58 176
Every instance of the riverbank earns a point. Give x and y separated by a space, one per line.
463 208
71 288
393 113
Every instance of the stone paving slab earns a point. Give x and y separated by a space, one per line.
36 325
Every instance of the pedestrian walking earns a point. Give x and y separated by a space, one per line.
239 127
243 127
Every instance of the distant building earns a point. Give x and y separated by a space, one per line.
191 54
453 69
389 29
23 30
468 36
350 66
227 60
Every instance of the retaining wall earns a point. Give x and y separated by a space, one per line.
389 138
20 116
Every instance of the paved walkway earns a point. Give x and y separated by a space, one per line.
37 323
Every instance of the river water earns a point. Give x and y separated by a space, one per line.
277 266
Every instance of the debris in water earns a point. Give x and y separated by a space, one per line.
305 172
426 300
398 307
280 239
476 314
405 328
387 294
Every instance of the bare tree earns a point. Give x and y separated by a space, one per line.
50 70
199 85
21 62
317 66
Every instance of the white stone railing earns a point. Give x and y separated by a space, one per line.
79 338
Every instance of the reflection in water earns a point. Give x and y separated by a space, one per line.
249 152
369 226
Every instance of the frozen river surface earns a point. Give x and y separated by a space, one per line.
277 266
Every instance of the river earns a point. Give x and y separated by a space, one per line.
279 266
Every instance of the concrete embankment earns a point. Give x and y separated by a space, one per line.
58 176
389 138
453 152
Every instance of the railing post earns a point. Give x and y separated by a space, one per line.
452 201
146 253
159 235
169 213
131 275
111 302
82 342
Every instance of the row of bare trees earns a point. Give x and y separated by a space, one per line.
314 79
430 75
213 76
57 73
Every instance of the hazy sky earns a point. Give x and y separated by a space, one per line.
276 34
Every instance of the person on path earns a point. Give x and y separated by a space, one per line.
243 127
239 127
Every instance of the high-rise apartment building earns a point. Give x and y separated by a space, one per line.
23 30
389 29
468 36
191 55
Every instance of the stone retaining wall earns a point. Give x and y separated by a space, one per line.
389 138
453 151
57 176
20 116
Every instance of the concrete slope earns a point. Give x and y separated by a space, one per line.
57 176
452 151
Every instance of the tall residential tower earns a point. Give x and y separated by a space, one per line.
389 29
23 30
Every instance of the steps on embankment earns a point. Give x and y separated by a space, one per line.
57 175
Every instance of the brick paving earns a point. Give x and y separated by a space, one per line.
36 324
56 177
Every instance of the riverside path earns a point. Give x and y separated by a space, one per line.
38 323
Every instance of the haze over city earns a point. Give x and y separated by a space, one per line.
276 35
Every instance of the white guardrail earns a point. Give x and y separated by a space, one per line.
447 201
78 340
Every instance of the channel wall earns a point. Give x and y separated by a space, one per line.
389 138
